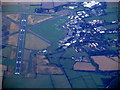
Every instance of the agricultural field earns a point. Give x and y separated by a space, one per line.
32 44
9 32
13 40
44 66
26 55
24 68
60 81
9 26
13 8
48 69
116 59
83 66
86 79
42 81
15 17
106 64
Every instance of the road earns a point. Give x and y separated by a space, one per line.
21 40
17 23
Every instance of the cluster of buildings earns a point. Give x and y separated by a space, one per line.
83 35
80 59
91 4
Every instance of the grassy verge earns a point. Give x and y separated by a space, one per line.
111 36
8 62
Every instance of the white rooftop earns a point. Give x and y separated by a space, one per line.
90 4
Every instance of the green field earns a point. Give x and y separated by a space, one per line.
13 8
32 8
53 46
115 10
55 59
113 26
50 29
8 62
6 52
111 36
71 52
84 79
87 79
19 8
42 81
109 17
67 63
113 48
60 81
82 84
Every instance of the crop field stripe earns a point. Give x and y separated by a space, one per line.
89 81
75 78
52 82
97 79
93 80
84 81
67 77
78 83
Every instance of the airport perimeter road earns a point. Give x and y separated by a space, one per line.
21 40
